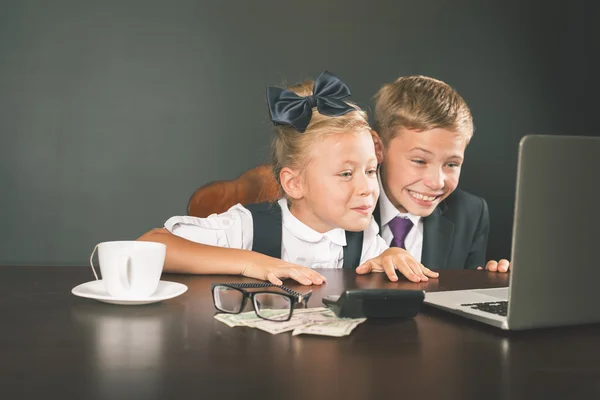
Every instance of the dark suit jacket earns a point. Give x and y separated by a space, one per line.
455 235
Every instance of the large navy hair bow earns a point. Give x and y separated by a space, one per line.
287 108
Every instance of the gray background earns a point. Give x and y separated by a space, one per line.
113 112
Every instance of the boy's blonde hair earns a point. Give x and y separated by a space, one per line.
291 148
420 103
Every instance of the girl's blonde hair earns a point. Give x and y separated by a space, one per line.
291 148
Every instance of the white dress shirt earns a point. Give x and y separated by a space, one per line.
387 212
300 244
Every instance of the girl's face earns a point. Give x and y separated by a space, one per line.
338 188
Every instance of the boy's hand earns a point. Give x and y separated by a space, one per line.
497 266
399 259
271 269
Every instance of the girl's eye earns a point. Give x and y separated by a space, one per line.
453 165
346 174
420 162
371 172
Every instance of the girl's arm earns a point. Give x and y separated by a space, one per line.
185 256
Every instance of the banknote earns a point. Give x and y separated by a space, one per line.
314 321
342 327
243 319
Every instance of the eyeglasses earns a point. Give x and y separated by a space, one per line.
231 298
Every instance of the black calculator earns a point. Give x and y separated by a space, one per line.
376 303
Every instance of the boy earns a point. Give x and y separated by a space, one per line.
423 127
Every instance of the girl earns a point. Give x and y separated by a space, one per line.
324 160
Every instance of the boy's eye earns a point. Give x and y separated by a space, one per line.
372 171
420 162
453 165
346 174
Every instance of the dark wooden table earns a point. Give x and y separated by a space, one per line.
54 343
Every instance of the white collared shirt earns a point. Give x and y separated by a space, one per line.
387 212
300 244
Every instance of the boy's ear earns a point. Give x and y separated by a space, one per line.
291 183
378 146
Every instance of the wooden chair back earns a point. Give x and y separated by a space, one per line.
256 185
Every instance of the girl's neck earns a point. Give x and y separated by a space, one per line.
304 214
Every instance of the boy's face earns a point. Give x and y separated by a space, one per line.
339 184
422 168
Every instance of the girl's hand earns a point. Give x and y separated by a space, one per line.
272 269
399 259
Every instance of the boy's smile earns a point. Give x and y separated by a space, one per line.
424 199
422 168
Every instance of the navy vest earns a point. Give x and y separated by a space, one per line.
267 224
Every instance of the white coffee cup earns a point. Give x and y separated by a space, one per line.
130 269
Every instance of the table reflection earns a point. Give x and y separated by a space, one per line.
128 345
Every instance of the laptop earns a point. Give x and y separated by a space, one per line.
555 257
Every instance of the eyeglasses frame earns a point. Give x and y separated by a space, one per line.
295 297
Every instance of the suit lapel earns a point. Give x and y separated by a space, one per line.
438 232
377 216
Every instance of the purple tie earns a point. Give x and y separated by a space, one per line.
400 228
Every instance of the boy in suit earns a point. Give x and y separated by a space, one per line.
423 127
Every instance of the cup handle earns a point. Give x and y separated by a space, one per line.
123 268
92 262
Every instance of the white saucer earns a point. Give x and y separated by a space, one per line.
95 290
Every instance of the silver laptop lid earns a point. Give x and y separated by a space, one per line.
556 233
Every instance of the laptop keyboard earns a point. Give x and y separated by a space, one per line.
494 307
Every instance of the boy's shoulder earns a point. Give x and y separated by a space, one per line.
461 200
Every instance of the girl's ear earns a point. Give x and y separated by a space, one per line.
378 146
291 182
